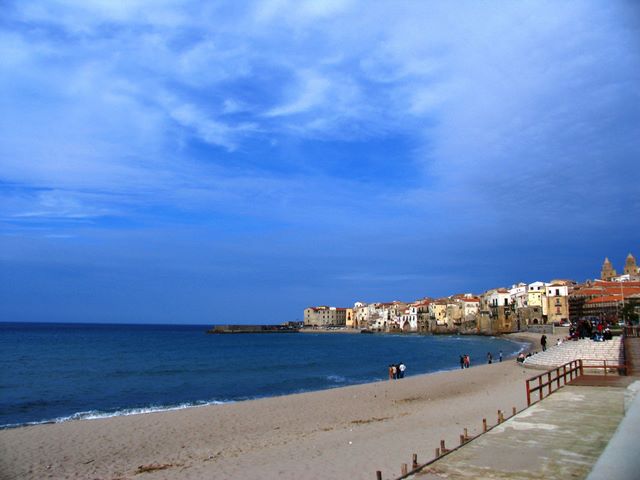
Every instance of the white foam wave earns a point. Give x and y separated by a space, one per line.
97 414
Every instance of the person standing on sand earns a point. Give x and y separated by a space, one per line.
462 361
401 368
543 342
390 372
500 356
489 358
467 361
394 372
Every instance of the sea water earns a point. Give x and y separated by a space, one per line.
58 372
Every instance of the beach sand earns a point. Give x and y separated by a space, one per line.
343 433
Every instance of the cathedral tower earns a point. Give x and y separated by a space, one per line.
607 272
630 267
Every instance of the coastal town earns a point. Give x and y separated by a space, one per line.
612 297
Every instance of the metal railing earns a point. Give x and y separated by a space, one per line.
555 376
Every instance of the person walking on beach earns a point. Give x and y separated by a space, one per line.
394 372
500 356
462 361
543 342
489 358
401 368
467 361
390 372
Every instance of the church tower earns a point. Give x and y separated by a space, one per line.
608 272
630 267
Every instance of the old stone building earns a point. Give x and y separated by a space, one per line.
324 316
557 296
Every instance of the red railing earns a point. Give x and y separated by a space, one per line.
557 377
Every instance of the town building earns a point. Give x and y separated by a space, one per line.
324 316
557 297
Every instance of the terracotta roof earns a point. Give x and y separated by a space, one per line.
604 299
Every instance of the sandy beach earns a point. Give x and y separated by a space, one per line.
343 433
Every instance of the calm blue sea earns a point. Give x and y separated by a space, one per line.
58 372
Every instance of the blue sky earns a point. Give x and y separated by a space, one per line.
227 162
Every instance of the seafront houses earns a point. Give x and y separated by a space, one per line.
498 310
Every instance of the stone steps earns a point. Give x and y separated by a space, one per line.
586 349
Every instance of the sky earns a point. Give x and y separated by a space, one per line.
207 162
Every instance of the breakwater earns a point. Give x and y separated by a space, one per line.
224 329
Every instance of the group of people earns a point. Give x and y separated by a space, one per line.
465 361
397 370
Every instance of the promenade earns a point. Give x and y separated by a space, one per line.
560 437
587 429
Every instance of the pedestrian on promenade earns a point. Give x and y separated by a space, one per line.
489 358
401 368
543 342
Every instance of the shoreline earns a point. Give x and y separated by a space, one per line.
526 340
344 432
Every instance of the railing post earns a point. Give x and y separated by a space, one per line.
528 394
564 373
605 367
540 387
549 382
581 367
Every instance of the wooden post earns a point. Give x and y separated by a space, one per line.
484 425
499 417
466 434
462 439
414 462
513 409
442 447
528 394
378 475
540 387
437 452
403 469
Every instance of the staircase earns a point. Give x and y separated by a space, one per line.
593 353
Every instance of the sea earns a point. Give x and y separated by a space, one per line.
61 372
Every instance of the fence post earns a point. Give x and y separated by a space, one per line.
378 475
581 367
484 425
528 394
549 381
403 469
414 462
540 387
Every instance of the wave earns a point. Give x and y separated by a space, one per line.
336 378
98 414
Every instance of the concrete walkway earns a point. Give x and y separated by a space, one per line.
558 438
